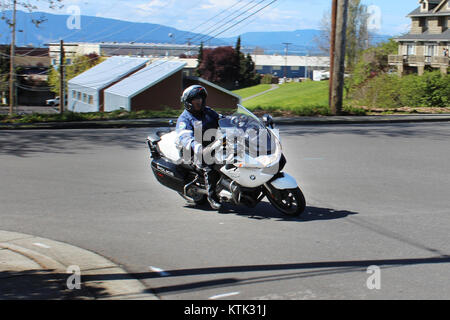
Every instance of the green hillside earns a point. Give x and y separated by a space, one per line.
305 98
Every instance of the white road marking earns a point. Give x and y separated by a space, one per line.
161 272
37 244
225 295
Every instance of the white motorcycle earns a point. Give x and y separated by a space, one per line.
249 168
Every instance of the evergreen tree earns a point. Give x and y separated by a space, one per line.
200 57
238 63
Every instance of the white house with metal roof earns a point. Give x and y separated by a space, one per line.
163 77
85 91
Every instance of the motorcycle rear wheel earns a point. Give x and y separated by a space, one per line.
290 202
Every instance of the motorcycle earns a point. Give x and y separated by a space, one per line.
247 157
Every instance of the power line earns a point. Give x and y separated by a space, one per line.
231 20
208 30
253 19
221 12
243 19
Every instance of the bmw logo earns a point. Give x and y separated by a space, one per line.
252 177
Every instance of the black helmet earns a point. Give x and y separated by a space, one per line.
191 93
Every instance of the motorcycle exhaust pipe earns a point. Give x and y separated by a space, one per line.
233 188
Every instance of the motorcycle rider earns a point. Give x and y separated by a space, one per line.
196 115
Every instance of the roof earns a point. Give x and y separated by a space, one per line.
292 61
206 82
426 36
190 62
434 6
145 78
109 71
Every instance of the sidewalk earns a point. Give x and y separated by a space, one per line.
163 122
33 268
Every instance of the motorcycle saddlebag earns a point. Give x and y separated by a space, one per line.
169 174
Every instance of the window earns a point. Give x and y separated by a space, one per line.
276 68
91 99
78 95
411 49
84 97
74 94
295 68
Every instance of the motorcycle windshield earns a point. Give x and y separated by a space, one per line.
242 119
249 143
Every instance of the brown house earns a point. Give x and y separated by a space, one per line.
159 86
427 44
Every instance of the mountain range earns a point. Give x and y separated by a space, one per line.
96 29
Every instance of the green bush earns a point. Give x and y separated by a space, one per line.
267 79
390 91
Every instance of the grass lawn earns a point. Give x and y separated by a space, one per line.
248 92
305 98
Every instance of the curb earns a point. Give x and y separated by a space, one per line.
39 268
163 122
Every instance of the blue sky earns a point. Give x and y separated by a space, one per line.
283 15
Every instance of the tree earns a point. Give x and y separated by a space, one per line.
357 34
372 62
12 24
199 60
80 64
217 66
248 75
4 71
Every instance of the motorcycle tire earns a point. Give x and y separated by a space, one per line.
290 202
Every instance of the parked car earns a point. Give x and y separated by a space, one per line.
52 102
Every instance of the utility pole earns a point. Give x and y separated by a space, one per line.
62 94
332 46
285 57
337 74
12 88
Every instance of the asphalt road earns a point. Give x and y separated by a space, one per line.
377 195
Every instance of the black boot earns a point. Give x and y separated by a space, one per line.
210 186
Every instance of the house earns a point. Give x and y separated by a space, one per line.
155 87
218 97
290 66
33 65
135 84
427 44
86 91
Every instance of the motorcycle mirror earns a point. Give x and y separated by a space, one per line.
171 123
268 120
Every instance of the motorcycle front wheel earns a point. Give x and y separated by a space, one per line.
290 202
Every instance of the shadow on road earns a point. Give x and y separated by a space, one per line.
304 270
43 285
46 285
264 210
26 143
433 131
